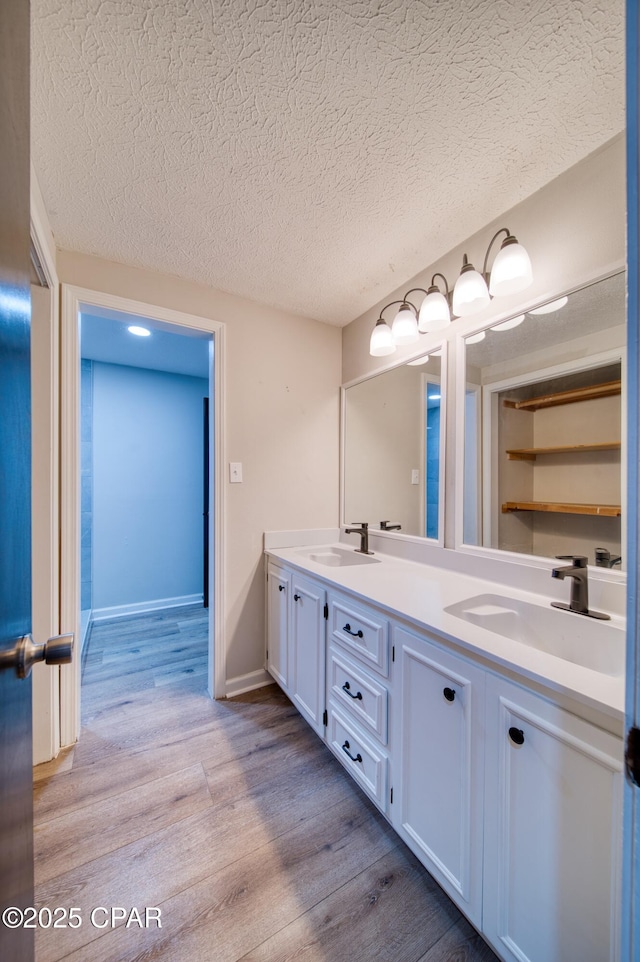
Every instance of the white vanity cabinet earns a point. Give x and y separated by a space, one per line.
438 808
508 798
358 695
553 803
307 649
296 640
278 590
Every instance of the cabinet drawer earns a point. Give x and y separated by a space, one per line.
364 761
362 631
360 695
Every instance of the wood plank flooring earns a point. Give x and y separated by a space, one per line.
230 817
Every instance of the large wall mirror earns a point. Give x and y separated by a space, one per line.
393 448
543 463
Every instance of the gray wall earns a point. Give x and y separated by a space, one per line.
147 485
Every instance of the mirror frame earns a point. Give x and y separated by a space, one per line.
442 346
499 554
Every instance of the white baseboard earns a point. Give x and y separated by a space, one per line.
243 683
86 617
140 607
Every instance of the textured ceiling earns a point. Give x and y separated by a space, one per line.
310 154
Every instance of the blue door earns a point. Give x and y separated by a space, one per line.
16 831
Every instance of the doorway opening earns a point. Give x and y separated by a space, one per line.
144 491
125 489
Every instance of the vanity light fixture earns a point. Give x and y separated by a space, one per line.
550 307
510 273
475 338
418 361
139 331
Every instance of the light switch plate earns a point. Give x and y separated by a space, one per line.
415 476
235 472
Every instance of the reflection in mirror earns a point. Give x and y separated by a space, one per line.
393 451
542 459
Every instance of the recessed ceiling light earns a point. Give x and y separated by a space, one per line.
475 338
550 307
139 331
418 361
507 325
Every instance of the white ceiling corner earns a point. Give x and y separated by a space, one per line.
312 156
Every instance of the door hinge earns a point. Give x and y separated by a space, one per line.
267 654
393 653
326 612
391 800
632 756
325 718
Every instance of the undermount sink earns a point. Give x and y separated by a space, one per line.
338 557
598 645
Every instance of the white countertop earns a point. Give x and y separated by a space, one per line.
420 593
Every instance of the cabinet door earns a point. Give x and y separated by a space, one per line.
278 587
552 842
307 647
441 785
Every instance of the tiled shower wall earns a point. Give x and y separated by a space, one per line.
86 480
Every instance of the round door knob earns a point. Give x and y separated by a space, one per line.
280 587
25 653
517 736
297 597
449 694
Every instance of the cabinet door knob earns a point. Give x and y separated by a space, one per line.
280 587
297 597
347 687
355 634
449 694
354 758
517 736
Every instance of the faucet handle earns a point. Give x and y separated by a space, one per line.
360 524
579 560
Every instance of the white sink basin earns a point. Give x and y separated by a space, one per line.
598 645
338 557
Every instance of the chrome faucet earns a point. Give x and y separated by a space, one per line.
363 530
579 574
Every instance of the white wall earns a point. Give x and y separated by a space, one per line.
147 485
281 411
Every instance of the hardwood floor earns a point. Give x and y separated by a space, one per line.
230 817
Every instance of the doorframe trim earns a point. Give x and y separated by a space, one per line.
72 299
46 711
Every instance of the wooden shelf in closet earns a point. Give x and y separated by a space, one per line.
608 389
530 454
598 510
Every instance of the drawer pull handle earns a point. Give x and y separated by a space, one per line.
297 597
347 687
280 587
449 694
517 736
354 634
354 758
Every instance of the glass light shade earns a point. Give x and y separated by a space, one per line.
434 312
381 342
508 325
418 361
470 294
511 271
475 338
405 327
551 306
139 331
